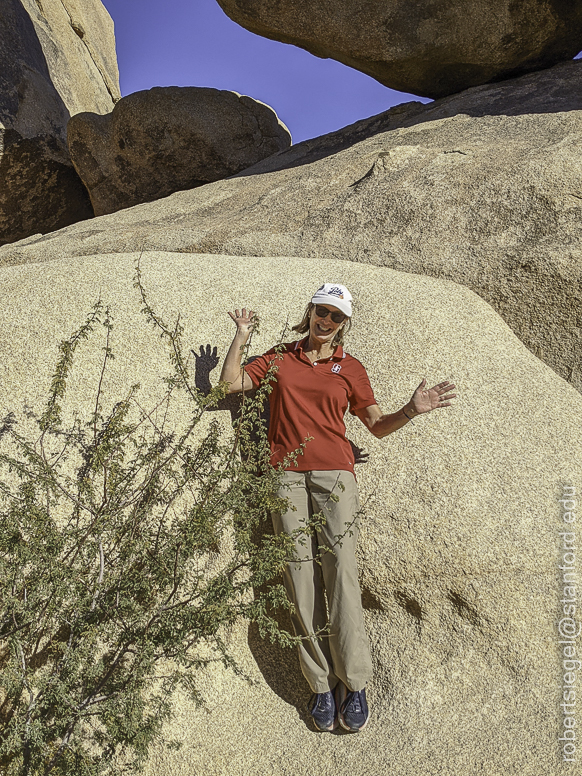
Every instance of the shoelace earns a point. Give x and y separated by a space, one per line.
323 702
354 702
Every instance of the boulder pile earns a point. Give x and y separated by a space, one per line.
458 228
483 188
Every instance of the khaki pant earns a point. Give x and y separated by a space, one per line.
344 653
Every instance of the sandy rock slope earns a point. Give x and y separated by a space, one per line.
460 544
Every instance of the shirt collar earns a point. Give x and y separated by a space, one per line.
337 356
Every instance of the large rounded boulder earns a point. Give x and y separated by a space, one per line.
168 139
430 47
462 538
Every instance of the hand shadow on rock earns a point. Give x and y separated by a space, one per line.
207 360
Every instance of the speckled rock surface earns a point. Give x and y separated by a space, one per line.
459 548
484 188
169 139
429 47
57 57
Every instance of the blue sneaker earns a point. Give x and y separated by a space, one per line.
322 709
352 708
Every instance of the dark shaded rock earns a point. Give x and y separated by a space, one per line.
55 59
169 139
40 191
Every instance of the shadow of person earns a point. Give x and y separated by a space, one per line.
360 454
205 361
279 665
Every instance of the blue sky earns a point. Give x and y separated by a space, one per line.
194 43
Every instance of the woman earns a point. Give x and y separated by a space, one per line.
315 382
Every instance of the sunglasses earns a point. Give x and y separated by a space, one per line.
323 312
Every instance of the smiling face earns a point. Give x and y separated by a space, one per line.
323 330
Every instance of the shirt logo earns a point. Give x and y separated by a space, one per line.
336 368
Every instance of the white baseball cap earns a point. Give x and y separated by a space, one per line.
334 294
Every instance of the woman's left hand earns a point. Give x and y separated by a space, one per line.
425 400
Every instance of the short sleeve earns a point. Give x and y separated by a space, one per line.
258 366
360 394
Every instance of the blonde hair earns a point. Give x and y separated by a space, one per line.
303 326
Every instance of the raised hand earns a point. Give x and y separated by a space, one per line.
425 400
231 370
245 322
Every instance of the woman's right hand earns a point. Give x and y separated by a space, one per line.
231 370
245 322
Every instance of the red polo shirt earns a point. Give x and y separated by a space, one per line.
310 400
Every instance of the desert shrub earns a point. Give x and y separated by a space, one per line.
127 542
